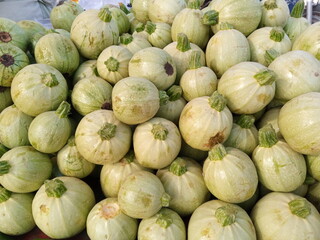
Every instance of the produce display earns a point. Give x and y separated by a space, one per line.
164 120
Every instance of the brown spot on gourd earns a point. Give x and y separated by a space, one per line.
5 37
7 60
218 138
109 211
169 69
146 201
316 74
44 209
263 98
107 106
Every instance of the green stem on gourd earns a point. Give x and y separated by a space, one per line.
140 27
55 188
194 4
174 93
217 101
105 14
165 200
4 167
225 26
71 141
265 77
164 98
129 157
211 17
270 55
124 8
300 207
270 4
4 194
3 149
195 60
178 167
64 109
112 64
126 38
309 180
267 136
49 79
159 131
298 9
107 131
246 121
226 215
217 152
150 27
183 43
164 220
276 34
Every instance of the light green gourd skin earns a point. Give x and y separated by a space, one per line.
31 27
275 16
90 94
121 19
160 35
16 214
28 169
12 33
5 98
14 126
29 88
12 60
106 217
166 224
86 69
133 43
140 10
313 165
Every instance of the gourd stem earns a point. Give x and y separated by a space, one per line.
270 4
165 200
174 93
195 60
297 10
183 43
300 207
55 188
164 220
107 131
112 64
225 26
3 149
309 180
276 34
246 121
265 77
140 27
124 8
194 4
126 38
226 215
129 157
49 79
4 167
63 109
105 14
71 141
267 136
270 55
159 131
217 101
150 27
211 17
164 98
217 152
4 194
178 167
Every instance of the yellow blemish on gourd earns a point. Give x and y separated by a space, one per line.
44 209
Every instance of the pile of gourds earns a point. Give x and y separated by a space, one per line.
201 123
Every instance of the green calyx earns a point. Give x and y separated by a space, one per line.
174 93
300 207
226 215
217 152
71 141
107 131
298 9
105 14
150 27
124 8
271 55
3 149
164 220
183 43
217 101
140 27
159 131
178 167
125 39
64 109
112 64
277 34
265 77
270 4
129 157
55 188
246 121
4 194
164 98
49 79
194 4
267 136
165 200
4 167
195 60
211 17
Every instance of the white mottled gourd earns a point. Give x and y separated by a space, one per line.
86 69
156 143
271 117
216 220
5 98
70 192
248 87
24 169
226 42
159 33
101 138
47 82
205 121
285 216
120 18
230 174
184 182
140 10
313 165
275 13
106 219
297 72
142 195
165 225
140 31
16 214
298 121
31 28
279 167
133 43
